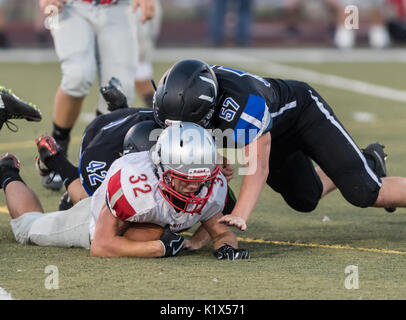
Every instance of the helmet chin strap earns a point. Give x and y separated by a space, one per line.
169 122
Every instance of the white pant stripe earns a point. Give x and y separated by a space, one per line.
339 127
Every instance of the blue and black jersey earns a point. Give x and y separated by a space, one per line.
102 143
250 105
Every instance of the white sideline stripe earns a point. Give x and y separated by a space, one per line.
287 72
223 55
344 133
266 57
4 295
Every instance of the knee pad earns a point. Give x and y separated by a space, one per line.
77 79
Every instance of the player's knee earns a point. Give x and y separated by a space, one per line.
304 200
361 197
359 192
77 80
303 205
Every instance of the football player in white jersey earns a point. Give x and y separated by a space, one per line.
175 185
91 37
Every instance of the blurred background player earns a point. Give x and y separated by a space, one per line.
91 37
217 17
147 34
378 34
4 43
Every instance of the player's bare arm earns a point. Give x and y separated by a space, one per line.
46 6
108 243
225 242
252 183
219 233
147 9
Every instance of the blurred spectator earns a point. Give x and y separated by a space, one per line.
4 43
219 11
147 34
41 33
397 20
293 8
378 34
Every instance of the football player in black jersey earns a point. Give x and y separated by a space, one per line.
104 140
250 110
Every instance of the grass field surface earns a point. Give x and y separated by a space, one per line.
293 256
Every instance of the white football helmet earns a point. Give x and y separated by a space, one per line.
187 152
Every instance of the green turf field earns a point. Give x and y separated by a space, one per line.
294 256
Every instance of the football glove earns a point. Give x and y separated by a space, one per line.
228 252
172 242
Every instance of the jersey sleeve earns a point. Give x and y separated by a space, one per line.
130 188
244 107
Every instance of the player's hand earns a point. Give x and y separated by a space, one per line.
234 221
172 242
226 169
147 9
46 6
228 252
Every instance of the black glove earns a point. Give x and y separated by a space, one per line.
172 242
228 252
114 96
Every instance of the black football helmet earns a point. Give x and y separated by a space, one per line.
138 139
187 92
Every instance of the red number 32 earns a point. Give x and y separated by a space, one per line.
147 188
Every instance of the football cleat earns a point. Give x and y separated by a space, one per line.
12 107
113 95
47 148
10 161
375 152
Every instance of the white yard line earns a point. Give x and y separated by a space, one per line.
313 55
265 61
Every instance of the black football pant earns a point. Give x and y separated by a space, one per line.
316 134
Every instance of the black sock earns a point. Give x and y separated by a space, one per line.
60 133
62 137
61 165
8 175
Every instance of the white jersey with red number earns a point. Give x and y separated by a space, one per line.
132 185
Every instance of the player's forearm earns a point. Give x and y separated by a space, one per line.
198 240
227 237
256 174
250 191
122 247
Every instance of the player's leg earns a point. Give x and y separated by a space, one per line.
50 158
324 139
147 34
293 175
19 198
117 48
74 41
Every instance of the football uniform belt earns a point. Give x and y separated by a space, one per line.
96 2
